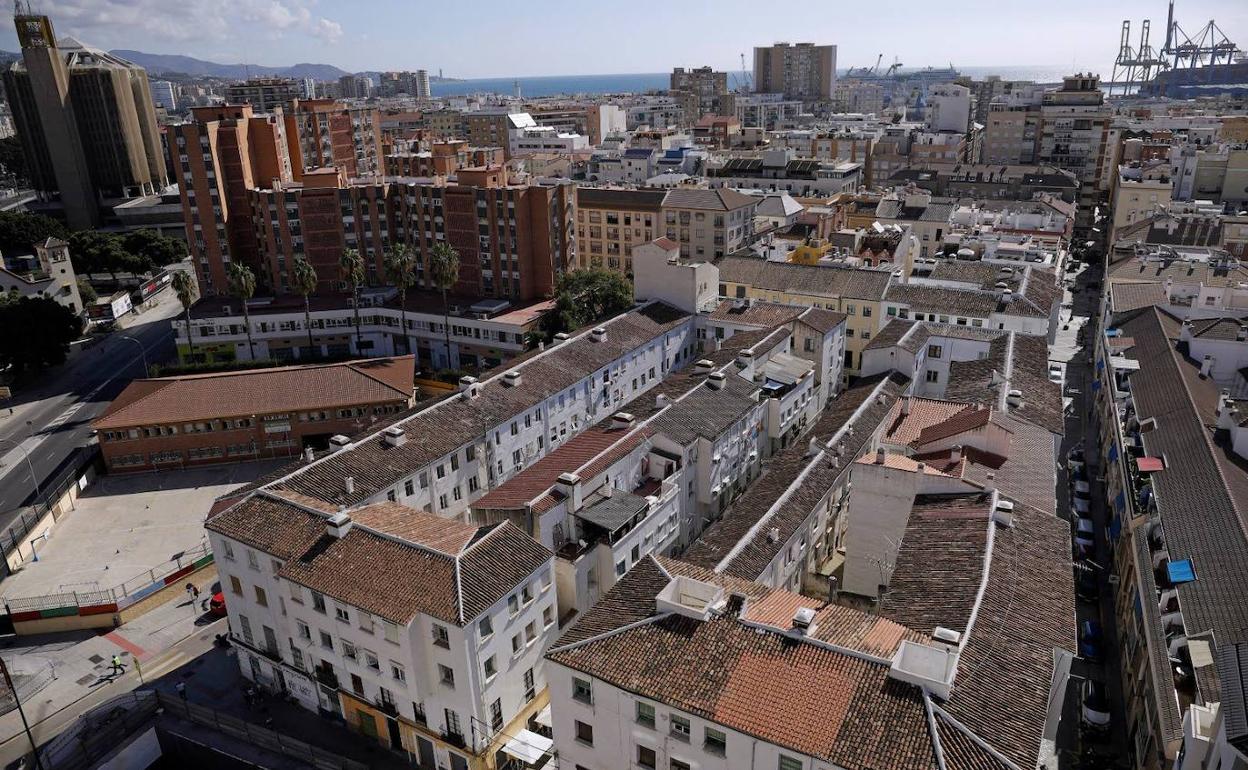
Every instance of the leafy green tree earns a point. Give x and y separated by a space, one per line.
583 297
303 281
86 291
19 232
444 272
184 286
155 249
47 329
243 286
351 265
401 271
91 251
13 157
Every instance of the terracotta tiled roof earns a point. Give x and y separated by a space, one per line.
1026 611
753 553
576 453
970 418
902 463
809 698
1125 297
904 429
421 562
259 391
768 314
819 280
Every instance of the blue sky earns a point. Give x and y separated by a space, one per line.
484 38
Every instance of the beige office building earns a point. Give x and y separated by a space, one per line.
86 121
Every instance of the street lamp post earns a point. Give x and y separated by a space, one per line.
8 680
142 351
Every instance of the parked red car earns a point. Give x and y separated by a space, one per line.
216 607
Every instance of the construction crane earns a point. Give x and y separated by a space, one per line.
746 84
892 69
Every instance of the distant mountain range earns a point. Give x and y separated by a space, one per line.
157 64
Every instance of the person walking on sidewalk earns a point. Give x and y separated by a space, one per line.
192 592
118 666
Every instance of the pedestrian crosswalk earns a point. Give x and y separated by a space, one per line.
66 416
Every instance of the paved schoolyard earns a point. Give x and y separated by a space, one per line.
124 526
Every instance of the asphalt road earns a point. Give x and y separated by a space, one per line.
53 417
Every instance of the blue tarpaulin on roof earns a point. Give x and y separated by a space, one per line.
1181 571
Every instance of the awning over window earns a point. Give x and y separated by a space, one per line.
528 747
1181 571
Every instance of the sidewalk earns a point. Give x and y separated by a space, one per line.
83 669
214 680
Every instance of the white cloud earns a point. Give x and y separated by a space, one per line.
131 23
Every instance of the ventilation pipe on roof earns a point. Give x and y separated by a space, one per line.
348 484
308 455
338 525
955 456
907 404
879 456
813 448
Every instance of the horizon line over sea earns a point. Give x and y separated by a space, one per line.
556 85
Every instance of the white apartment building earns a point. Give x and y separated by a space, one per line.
487 333
422 633
445 456
601 502
948 108
537 139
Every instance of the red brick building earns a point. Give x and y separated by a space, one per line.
181 422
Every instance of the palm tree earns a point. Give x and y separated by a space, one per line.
444 272
352 267
401 270
243 286
184 287
304 280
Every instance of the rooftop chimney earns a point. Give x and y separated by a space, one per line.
560 337
661 400
599 334
956 455
394 436
803 621
879 456
702 366
569 485
468 386
338 441
348 484
906 405
813 448
512 379
308 455
1242 334
1206 366
622 421
338 525
716 380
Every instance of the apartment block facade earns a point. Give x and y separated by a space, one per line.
800 71
708 224
610 222
332 133
514 240
221 155
265 94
